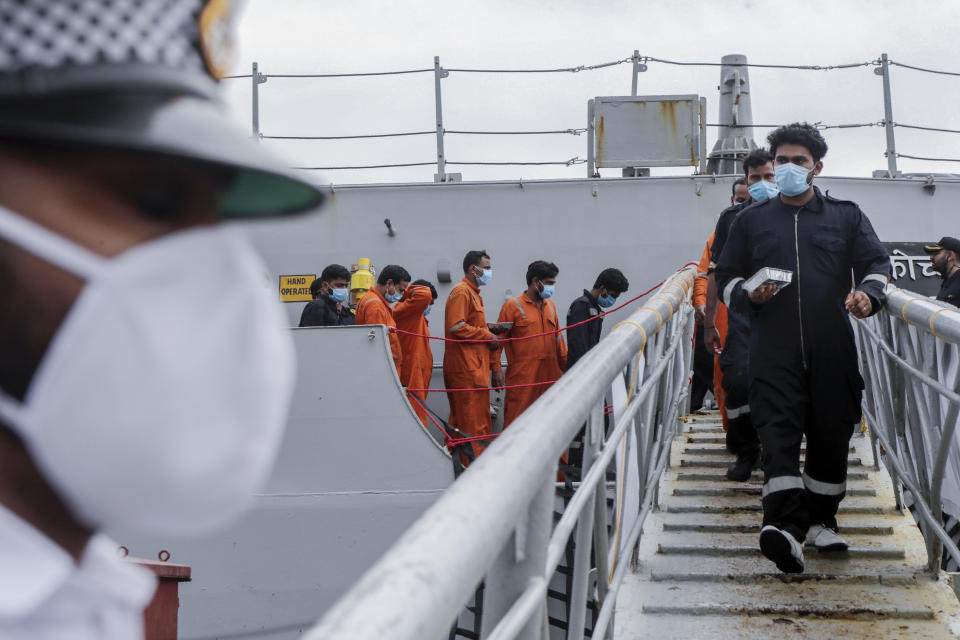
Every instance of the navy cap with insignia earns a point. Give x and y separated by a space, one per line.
138 76
946 242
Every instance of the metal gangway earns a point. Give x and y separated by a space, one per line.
666 547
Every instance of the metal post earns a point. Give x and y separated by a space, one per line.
590 159
636 72
703 135
257 79
438 73
584 534
884 70
521 559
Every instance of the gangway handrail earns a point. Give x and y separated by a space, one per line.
495 523
910 359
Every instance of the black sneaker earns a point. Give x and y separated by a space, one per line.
740 470
781 547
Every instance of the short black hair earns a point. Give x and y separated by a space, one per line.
801 133
473 258
756 158
315 287
738 181
612 280
393 272
541 269
427 283
334 272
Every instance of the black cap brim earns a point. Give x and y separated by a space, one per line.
931 249
180 126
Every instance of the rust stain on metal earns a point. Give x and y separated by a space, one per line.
599 160
668 110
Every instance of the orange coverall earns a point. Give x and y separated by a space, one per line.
720 322
417 356
468 365
373 308
539 359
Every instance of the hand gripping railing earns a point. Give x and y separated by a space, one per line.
910 360
496 521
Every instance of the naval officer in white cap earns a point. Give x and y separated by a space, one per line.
144 369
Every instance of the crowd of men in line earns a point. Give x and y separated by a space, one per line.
784 367
528 329
783 359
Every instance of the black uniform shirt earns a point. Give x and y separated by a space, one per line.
322 312
583 338
950 289
736 346
829 245
724 222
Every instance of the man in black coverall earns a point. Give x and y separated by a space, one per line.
945 256
803 359
607 288
331 295
734 359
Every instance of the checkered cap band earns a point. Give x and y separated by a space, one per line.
63 33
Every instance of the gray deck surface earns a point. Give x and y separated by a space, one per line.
700 573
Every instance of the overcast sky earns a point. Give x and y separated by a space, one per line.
318 36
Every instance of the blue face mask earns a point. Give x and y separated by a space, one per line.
791 178
763 190
485 277
393 297
606 301
426 311
339 295
547 290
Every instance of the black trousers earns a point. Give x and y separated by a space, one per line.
702 370
742 439
823 403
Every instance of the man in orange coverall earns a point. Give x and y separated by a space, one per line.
374 306
540 359
471 365
410 315
720 323
717 326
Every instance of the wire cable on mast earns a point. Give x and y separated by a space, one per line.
903 155
925 70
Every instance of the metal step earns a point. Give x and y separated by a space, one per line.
713 462
756 507
889 553
700 573
747 490
683 627
718 450
710 476
754 527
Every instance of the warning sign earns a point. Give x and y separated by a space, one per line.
296 288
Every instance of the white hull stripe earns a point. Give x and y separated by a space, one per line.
728 290
782 483
877 277
739 411
824 488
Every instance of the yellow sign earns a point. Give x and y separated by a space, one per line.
296 288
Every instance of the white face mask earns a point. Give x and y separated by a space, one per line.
161 401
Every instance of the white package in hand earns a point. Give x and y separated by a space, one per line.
768 275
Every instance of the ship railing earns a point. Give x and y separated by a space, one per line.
495 523
910 360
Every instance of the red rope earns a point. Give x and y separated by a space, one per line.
453 442
429 415
509 386
448 440
545 333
